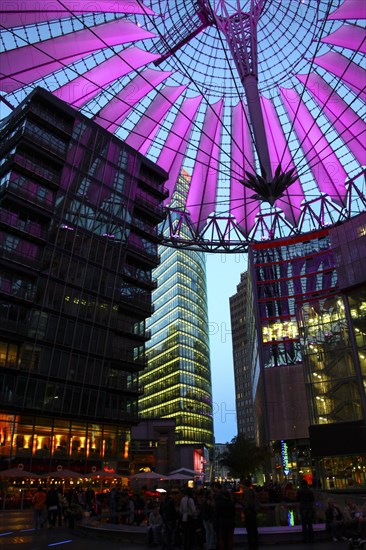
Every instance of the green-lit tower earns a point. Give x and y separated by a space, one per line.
177 381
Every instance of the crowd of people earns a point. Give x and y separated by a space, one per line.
202 518
57 507
347 522
186 519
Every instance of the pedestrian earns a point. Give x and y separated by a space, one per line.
250 505
130 511
224 521
39 508
112 505
90 499
207 516
52 503
154 532
334 520
169 514
306 499
353 520
188 514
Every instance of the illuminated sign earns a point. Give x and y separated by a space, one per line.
284 455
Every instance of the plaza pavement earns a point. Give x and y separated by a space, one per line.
16 532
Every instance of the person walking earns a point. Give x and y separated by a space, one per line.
39 508
207 515
224 521
250 505
188 513
306 499
52 503
169 514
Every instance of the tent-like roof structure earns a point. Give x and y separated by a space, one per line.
259 105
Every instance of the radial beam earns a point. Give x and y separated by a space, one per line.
240 31
197 17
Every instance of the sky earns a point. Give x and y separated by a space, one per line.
223 276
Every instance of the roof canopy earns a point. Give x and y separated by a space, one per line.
250 88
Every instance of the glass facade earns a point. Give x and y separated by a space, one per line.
240 327
310 309
78 242
288 273
177 381
331 373
45 443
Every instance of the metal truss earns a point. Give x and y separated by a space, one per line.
222 233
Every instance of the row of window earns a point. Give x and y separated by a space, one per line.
66 366
43 437
54 398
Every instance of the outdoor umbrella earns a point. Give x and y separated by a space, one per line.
103 473
185 471
149 476
17 472
179 477
64 474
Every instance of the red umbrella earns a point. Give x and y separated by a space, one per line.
18 472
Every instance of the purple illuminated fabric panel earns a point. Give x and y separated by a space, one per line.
348 36
83 88
350 9
201 200
116 110
351 74
325 166
242 207
279 153
149 123
15 14
29 63
347 123
172 154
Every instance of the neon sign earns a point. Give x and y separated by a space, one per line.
284 455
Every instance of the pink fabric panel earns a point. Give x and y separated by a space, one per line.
351 74
145 129
347 123
350 9
80 90
348 36
40 61
291 203
242 207
15 82
325 166
120 106
15 14
172 154
201 200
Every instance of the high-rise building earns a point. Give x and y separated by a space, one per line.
79 216
177 381
242 371
307 298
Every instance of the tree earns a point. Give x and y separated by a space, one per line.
243 457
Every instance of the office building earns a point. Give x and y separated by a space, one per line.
242 378
177 381
307 352
79 217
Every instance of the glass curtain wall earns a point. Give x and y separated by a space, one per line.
177 381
